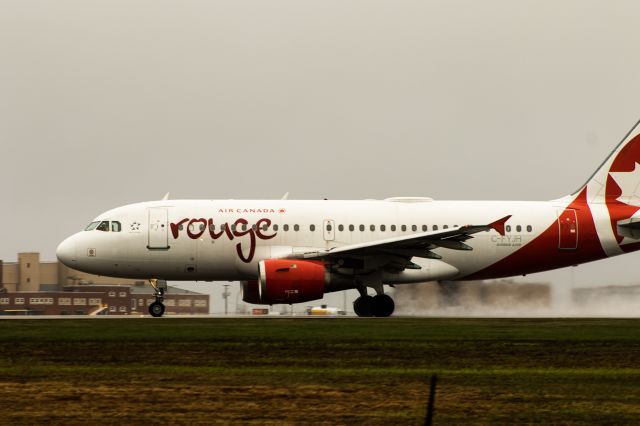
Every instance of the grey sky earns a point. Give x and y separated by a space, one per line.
112 102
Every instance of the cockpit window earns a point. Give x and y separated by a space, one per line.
115 226
91 226
104 226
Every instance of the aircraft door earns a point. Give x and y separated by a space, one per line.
158 229
329 229
568 230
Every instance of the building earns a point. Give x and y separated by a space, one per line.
32 287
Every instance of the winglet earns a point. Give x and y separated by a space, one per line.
498 225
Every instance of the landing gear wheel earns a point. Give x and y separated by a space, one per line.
362 306
382 305
156 309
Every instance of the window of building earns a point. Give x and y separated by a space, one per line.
112 293
19 301
104 226
79 301
296 227
41 300
383 228
133 304
28 265
64 301
112 308
184 302
116 226
28 280
4 300
123 309
169 302
361 227
312 228
95 301
122 294
200 303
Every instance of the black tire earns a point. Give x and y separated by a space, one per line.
382 306
156 309
362 306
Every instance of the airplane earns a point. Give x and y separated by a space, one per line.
294 251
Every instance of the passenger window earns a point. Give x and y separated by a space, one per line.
372 228
414 228
435 227
212 227
361 228
92 226
329 227
244 226
529 228
383 228
285 228
275 227
254 227
445 227
508 228
424 228
403 228
104 226
312 228
518 228
340 228
393 228
352 228
265 227
296 227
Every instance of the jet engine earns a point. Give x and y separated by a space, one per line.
286 281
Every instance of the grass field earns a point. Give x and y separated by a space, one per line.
319 371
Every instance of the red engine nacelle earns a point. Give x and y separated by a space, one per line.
286 281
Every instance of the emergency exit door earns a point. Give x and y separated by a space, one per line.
158 229
568 230
329 227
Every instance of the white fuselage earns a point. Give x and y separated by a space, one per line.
184 246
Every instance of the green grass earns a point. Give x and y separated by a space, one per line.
321 371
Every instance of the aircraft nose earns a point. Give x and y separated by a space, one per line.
66 251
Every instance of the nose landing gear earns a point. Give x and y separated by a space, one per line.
157 308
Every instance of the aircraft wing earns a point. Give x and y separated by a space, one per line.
418 245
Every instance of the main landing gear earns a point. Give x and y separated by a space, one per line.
380 305
156 309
